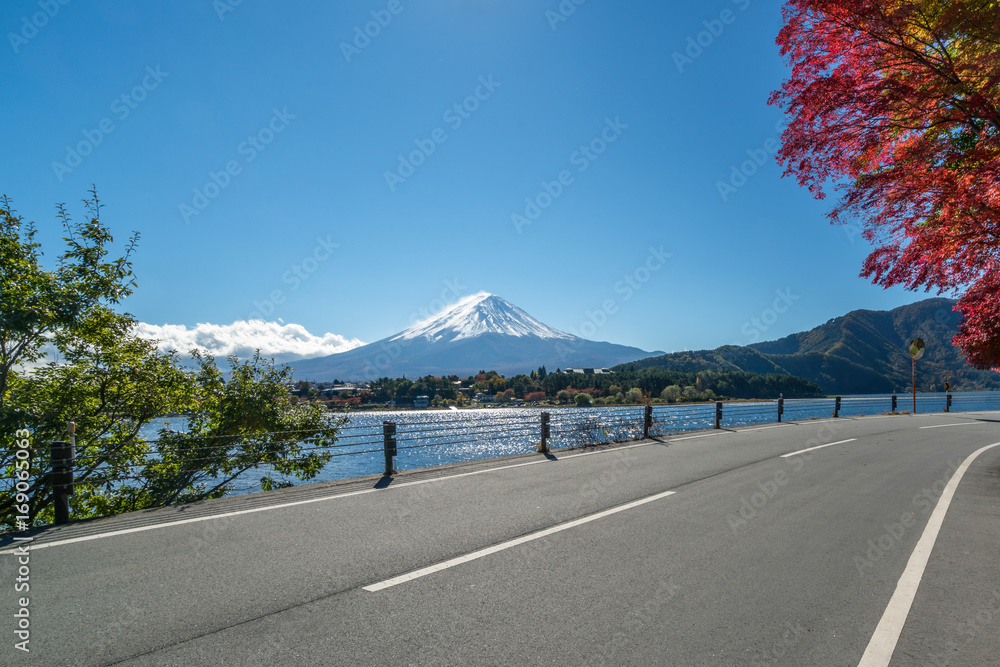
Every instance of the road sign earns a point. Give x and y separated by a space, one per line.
947 386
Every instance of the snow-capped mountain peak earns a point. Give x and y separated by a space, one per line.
479 332
476 315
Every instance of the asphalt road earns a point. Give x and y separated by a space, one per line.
755 558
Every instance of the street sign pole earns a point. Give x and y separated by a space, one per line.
917 349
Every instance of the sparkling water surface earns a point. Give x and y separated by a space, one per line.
436 437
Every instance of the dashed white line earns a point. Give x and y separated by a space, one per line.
423 572
883 641
947 425
812 449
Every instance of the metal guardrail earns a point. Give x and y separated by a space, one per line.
559 429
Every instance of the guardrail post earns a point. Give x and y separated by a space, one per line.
894 402
781 406
947 405
836 408
543 447
647 422
718 415
63 460
389 445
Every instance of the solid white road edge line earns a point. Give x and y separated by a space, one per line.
947 425
416 574
803 451
127 531
226 515
693 437
883 642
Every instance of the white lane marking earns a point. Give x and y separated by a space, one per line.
762 428
811 449
947 425
883 642
416 574
140 529
605 451
694 437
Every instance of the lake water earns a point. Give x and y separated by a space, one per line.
430 438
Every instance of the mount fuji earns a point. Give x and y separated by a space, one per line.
480 332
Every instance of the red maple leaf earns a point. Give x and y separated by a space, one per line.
897 104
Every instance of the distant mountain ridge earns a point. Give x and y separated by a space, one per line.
480 332
864 351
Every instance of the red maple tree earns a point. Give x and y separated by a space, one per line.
897 103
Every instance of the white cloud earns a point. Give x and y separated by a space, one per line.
283 342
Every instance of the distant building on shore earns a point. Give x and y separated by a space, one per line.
422 402
588 371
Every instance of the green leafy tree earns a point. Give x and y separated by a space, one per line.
112 384
634 395
671 393
521 384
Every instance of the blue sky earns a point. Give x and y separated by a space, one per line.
278 161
